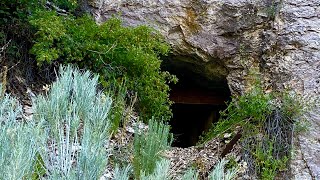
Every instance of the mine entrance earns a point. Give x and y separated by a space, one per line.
197 102
194 111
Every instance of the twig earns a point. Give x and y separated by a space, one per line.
3 48
4 80
113 45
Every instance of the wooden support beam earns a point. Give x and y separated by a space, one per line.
197 96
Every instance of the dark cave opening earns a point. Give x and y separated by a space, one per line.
194 110
197 102
190 121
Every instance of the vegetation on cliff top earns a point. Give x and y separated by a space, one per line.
122 56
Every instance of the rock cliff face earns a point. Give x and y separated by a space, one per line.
298 34
224 39
218 39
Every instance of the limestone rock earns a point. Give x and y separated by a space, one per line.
223 39
298 32
207 36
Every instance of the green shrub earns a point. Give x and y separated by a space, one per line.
249 109
15 30
16 11
149 146
14 25
266 122
267 164
110 49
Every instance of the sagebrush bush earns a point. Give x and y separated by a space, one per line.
17 145
73 120
190 174
149 146
122 173
161 171
218 173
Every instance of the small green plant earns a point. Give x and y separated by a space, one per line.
244 111
232 163
149 146
267 164
190 174
273 9
117 91
38 168
263 118
218 173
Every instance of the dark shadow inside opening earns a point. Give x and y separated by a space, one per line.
197 102
191 120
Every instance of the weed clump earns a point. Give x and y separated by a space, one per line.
266 121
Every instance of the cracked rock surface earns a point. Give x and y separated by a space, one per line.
306 159
207 37
298 28
223 39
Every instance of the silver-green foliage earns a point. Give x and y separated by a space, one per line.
17 147
122 173
218 173
161 171
10 108
74 120
149 146
190 174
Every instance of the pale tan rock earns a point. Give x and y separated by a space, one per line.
222 39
